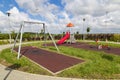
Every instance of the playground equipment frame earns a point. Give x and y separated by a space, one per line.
21 35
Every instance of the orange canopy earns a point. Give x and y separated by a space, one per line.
70 25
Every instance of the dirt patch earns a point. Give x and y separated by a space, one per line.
51 61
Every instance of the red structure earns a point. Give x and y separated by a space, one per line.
68 35
70 25
62 40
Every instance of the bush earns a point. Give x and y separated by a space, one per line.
116 37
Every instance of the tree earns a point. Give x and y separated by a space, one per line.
42 31
63 33
77 32
13 34
88 29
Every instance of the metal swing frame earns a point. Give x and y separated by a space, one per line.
21 36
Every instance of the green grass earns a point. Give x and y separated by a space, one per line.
2 42
96 64
23 64
104 43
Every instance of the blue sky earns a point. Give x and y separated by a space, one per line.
7 4
57 2
57 13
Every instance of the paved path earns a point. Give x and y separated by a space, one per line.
9 74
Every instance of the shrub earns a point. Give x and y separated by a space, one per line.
115 37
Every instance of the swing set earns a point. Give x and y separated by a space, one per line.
20 32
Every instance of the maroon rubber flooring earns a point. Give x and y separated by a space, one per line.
52 61
86 46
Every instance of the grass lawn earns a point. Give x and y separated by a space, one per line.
96 65
2 42
23 64
104 43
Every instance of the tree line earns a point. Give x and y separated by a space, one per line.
40 36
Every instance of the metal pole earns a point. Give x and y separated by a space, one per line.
70 35
19 49
106 25
83 29
44 35
10 38
16 38
53 41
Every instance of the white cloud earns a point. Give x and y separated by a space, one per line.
13 21
17 16
40 7
50 12
94 7
115 1
74 11
3 21
95 12
115 16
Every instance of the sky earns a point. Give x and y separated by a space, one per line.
102 16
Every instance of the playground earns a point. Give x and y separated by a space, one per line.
66 57
86 46
51 61
67 39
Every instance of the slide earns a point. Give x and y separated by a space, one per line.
62 40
